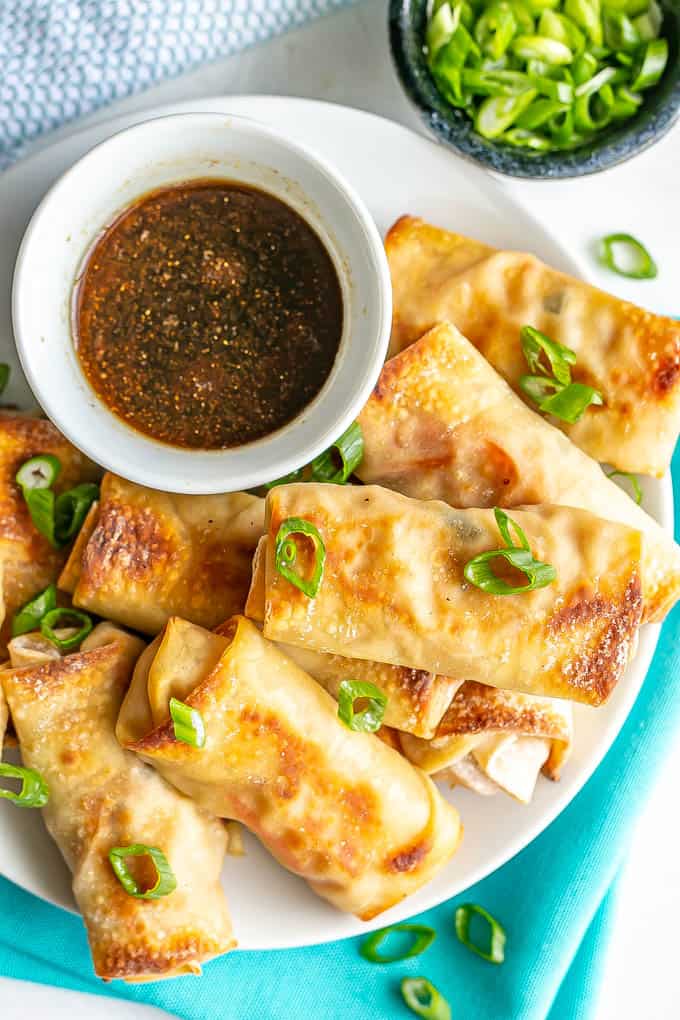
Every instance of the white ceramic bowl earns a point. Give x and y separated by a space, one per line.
89 196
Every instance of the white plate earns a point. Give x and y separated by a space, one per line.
395 171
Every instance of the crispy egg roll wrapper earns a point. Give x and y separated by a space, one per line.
509 736
151 555
630 355
341 809
394 591
442 424
102 796
416 698
30 562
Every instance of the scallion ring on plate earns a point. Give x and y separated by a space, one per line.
187 723
633 482
49 624
423 999
479 573
369 719
34 792
39 472
286 554
348 450
29 616
625 255
571 402
70 510
165 879
505 523
4 376
421 937
495 953
535 344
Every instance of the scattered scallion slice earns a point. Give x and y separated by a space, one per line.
540 47
633 482
70 510
187 723
286 554
34 792
571 402
294 476
495 953
4 376
625 255
494 29
39 472
479 573
29 616
348 450
536 344
423 999
650 65
554 394
370 718
50 623
498 113
421 937
165 879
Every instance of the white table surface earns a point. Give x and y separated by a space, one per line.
344 58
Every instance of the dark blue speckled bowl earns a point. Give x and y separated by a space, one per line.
453 127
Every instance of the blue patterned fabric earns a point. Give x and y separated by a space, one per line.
61 59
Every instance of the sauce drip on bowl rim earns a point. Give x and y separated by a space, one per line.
208 315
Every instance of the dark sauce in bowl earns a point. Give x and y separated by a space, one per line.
208 315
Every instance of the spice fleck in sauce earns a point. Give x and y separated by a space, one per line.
208 315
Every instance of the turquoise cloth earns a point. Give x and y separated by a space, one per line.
555 900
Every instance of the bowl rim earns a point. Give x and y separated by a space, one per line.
219 475
611 152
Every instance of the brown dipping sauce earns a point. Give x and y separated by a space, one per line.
208 315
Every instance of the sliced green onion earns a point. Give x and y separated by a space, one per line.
648 24
571 402
561 127
487 83
29 616
584 67
39 472
165 880
369 720
523 16
498 113
423 999
40 503
504 523
294 476
536 344
563 29
538 6
479 573
495 953
285 554
439 30
619 31
650 65
538 113
526 139
629 7
494 30
625 255
348 449
70 510
632 480
558 91
50 623
586 14
34 792
538 387
538 47
626 103
187 723
594 111
594 84
421 935
4 376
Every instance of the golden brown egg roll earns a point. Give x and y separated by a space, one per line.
506 736
416 698
30 561
630 355
102 797
152 555
394 590
442 424
339 808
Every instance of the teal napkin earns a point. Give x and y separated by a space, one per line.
555 900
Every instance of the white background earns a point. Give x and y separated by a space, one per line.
345 59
